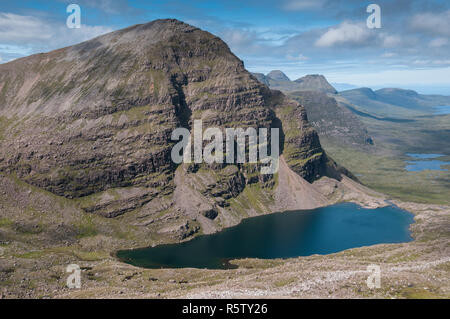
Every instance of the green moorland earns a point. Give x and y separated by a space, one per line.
382 166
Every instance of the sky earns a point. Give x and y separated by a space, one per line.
299 37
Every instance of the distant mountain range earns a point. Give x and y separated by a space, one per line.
331 120
393 102
338 116
279 81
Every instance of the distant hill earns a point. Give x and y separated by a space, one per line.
315 82
277 75
333 122
279 81
394 102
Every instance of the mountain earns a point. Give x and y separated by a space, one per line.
261 78
277 75
410 98
393 102
277 80
334 123
91 124
315 82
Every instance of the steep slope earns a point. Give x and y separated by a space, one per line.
92 123
261 78
334 123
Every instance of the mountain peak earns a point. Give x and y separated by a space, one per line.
278 75
315 82
106 109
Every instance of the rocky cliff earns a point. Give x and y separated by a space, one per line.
333 122
92 123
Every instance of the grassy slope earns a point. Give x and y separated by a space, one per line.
382 166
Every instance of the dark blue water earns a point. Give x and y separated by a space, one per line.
442 109
290 234
425 161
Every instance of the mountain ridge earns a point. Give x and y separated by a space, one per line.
394 101
277 80
92 123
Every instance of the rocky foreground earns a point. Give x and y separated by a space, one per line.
34 259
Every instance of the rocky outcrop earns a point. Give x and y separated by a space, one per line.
92 122
261 78
332 122
210 213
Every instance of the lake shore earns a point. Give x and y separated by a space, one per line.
416 269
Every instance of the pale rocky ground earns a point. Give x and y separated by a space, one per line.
418 269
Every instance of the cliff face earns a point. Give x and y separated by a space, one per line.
333 123
92 122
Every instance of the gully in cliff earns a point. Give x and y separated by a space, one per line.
235 141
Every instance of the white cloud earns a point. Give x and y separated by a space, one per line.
298 57
22 35
388 55
438 42
11 49
108 6
404 77
237 37
298 5
345 33
434 23
390 41
16 28
243 41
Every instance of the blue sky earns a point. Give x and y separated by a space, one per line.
330 37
